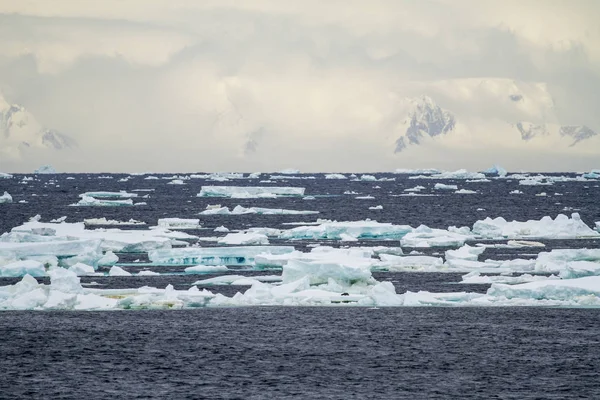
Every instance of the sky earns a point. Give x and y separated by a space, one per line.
263 85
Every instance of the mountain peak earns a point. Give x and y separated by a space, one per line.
425 118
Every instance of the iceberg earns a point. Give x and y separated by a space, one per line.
465 191
569 290
109 195
466 252
379 207
459 174
562 227
118 271
368 229
424 171
6 198
104 221
179 223
250 192
424 236
441 186
289 171
91 201
239 210
45 169
335 176
496 170
410 263
205 269
22 268
4 175
238 255
242 238
127 241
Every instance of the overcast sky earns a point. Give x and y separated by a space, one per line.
318 85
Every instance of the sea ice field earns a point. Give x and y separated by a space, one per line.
415 263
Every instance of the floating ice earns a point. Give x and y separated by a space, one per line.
423 236
465 191
109 195
22 268
410 263
4 175
415 189
118 271
516 191
6 198
466 252
214 255
562 227
104 221
176 182
496 170
129 241
179 223
579 290
91 201
221 229
45 169
598 226
242 238
417 171
81 269
249 192
335 176
289 171
460 174
205 269
535 181
379 207
358 229
147 273
368 197
441 186
476 278
239 210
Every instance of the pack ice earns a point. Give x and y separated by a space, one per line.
239 210
250 192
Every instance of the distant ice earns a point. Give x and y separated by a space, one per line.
179 223
562 227
249 192
93 202
109 195
6 198
459 174
104 221
45 169
239 210
336 176
496 170
4 175
241 238
441 186
465 191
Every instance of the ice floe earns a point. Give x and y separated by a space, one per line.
250 192
179 223
6 198
45 169
562 227
104 221
235 255
239 210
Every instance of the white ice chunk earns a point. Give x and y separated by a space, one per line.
109 195
496 170
248 192
81 269
466 252
118 271
221 229
465 191
564 290
239 210
93 202
22 268
359 229
204 269
441 186
423 236
410 263
104 221
459 174
379 207
335 176
45 169
6 198
179 223
243 238
562 227
243 255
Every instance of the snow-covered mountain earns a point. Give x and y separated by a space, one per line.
19 131
425 118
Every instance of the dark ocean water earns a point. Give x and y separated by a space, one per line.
320 353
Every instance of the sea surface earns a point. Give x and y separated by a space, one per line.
299 352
